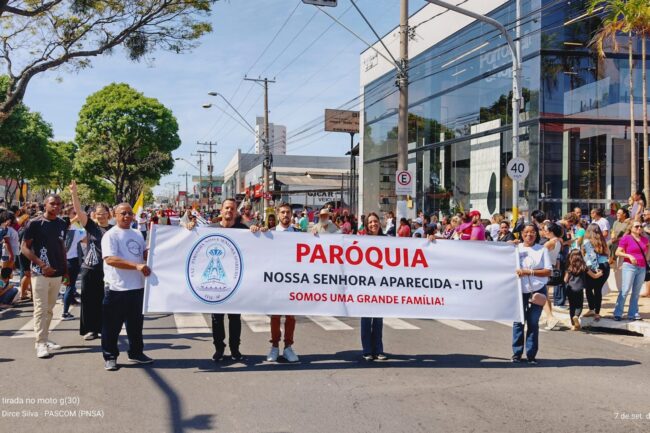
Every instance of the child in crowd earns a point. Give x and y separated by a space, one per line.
8 293
575 278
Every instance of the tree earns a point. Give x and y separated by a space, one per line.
39 35
24 152
126 139
59 174
617 19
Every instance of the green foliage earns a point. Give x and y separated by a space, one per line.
36 36
126 139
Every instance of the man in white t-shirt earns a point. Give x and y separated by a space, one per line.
124 254
597 217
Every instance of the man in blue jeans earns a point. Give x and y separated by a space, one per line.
7 292
124 254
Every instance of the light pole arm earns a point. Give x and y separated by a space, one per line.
233 109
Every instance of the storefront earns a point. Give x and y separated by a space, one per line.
574 122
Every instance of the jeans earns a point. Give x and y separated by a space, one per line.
219 331
8 297
118 308
632 281
371 335
559 294
71 289
532 314
595 288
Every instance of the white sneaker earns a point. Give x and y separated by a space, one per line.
53 346
41 350
290 355
273 354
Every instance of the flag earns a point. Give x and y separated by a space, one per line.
139 205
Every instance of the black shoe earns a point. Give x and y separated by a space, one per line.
516 359
218 355
532 361
368 358
140 359
236 355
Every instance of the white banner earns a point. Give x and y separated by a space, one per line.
210 270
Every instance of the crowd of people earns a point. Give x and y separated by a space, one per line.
105 248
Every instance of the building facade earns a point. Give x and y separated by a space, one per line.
574 123
277 139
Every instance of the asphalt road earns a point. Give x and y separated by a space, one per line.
439 379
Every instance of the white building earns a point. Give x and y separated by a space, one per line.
277 141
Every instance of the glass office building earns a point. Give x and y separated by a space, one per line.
575 127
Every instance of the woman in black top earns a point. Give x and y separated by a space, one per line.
505 235
372 327
92 271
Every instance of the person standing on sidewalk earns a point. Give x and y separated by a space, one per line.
619 228
92 268
124 254
284 225
597 258
43 245
228 221
633 248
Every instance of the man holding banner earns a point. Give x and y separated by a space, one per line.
228 221
284 225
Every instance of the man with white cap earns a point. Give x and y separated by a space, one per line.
324 225
419 230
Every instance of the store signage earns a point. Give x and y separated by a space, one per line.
517 169
331 3
404 182
342 121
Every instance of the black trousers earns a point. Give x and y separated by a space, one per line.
595 287
219 331
576 299
118 308
92 297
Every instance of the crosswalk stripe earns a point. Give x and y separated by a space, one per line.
191 323
459 324
396 323
257 322
27 330
329 323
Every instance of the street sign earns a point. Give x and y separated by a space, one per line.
404 182
320 2
517 169
342 121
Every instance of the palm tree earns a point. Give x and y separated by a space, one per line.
617 19
640 25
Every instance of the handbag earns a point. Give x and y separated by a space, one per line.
556 277
647 269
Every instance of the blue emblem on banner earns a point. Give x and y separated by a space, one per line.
214 268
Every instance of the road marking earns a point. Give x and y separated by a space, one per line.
257 322
191 323
395 323
27 331
329 323
459 324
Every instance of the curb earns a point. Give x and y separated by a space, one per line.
638 326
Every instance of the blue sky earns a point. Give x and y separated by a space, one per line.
325 76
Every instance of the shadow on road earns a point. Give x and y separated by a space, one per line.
352 360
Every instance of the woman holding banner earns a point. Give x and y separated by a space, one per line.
372 327
534 269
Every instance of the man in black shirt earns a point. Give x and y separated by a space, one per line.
43 245
228 220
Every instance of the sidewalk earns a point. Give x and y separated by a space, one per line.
607 314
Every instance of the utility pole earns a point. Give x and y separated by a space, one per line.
403 84
267 148
187 191
210 166
200 155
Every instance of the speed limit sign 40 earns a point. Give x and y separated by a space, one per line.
518 169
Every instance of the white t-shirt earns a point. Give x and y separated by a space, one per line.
279 228
77 234
494 231
535 257
127 244
142 224
14 241
604 227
